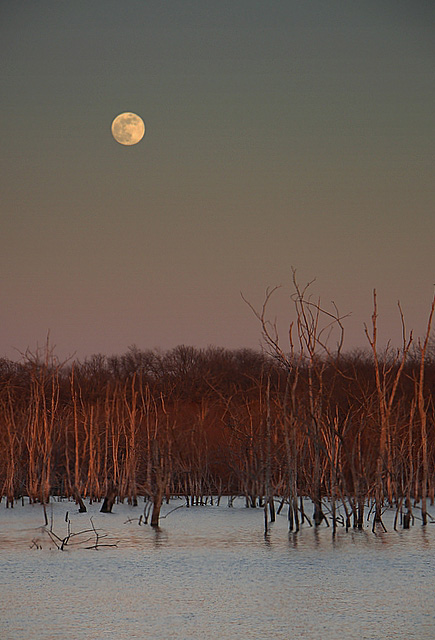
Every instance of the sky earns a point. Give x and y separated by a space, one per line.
279 135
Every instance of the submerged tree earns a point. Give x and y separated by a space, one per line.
305 367
423 406
306 421
388 371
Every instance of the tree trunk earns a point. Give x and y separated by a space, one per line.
157 505
79 500
109 500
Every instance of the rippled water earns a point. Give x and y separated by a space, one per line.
210 573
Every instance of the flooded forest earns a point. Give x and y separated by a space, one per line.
274 426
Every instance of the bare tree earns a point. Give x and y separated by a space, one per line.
388 371
314 327
422 405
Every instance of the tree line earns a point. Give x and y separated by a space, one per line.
307 421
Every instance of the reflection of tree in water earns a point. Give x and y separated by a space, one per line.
160 537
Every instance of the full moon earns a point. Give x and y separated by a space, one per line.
128 128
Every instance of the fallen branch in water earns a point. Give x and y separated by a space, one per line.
62 542
98 544
144 519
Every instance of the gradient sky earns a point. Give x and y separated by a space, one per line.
279 134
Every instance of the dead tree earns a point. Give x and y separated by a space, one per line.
109 499
79 500
160 481
422 410
314 325
387 376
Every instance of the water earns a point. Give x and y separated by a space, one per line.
210 573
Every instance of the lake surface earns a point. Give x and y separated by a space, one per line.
210 573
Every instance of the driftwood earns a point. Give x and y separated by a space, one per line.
62 542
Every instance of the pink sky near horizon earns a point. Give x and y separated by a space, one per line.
279 135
